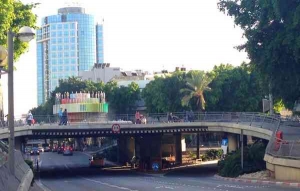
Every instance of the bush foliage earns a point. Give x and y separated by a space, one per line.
253 161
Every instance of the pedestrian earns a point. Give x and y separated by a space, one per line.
60 116
170 118
29 118
137 117
65 117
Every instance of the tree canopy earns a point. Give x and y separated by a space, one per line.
271 28
196 84
235 89
163 93
14 15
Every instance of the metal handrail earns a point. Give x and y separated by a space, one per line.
253 119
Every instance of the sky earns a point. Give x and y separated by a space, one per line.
143 34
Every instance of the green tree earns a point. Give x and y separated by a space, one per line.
163 93
234 89
13 15
271 28
196 84
123 99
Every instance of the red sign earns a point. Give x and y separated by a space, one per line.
116 128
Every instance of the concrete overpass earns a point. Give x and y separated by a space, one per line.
234 124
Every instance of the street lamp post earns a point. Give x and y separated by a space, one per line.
25 34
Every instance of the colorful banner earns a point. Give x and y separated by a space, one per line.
82 108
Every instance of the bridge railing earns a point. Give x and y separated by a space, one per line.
252 119
284 148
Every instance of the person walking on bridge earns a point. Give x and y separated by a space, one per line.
29 118
65 117
60 116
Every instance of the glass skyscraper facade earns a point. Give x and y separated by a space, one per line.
99 42
66 44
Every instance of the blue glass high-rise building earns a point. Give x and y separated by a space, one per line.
67 43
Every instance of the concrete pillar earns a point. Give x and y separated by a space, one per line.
126 147
94 141
150 150
198 145
20 144
178 149
232 142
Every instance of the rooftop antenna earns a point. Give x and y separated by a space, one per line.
73 3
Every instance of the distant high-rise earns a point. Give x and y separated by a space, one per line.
67 43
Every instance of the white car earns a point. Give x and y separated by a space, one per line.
41 149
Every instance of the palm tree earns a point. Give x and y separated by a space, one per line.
196 85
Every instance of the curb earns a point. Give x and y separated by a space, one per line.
255 181
26 181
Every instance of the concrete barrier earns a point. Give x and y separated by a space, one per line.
26 181
23 175
283 169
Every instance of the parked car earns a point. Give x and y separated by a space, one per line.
34 151
28 149
54 148
97 161
60 150
47 149
41 149
68 151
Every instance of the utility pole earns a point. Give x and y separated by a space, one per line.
271 99
10 42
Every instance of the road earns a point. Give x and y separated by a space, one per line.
60 173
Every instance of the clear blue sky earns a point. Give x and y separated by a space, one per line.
144 34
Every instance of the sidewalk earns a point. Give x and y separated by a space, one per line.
35 187
260 181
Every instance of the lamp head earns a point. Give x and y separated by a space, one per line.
26 34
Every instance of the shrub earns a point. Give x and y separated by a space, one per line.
30 163
253 161
212 154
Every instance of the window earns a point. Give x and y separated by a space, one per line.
59 27
72 33
66 40
53 41
73 54
66 47
54 61
72 26
73 40
73 61
59 55
53 48
67 68
73 68
53 34
59 48
66 33
60 61
66 54
53 55
66 26
60 68
59 40
66 61
59 33
53 27
54 69
73 47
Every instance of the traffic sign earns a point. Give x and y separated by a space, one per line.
155 166
116 128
